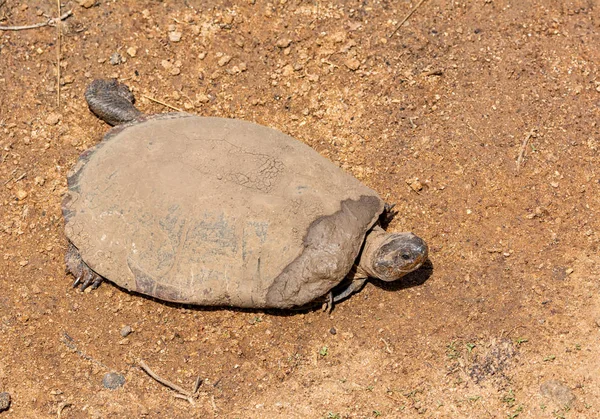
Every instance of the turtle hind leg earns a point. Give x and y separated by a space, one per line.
83 274
111 101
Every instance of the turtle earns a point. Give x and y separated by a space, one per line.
214 211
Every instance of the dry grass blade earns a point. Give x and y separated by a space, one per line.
406 18
163 103
49 22
163 381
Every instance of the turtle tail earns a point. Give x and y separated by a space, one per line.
111 101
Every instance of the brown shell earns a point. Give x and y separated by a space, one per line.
215 211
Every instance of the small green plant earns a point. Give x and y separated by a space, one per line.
520 341
473 398
550 358
451 351
376 413
324 351
331 415
470 346
370 388
516 412
509 399
578 347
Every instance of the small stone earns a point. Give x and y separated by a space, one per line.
288 70
283 42
202 98
115 58
166 64
21 194
224 60
132 51
597 322
333 331
146 13
68 79
175 36
126 331
53 118
202 55
558 392
87 3
4 401
113 380
23 263
175 71
415 185
353 64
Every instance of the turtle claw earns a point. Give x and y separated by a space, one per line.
77 280
327 306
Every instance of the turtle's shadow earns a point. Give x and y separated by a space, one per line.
413 279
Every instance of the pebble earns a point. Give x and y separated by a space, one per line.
113 380
283 42
224 60
132 51
175 36
21 194
333 331
115 58
353 64
87 3
4 401
175 71
558 392
126 331
53 118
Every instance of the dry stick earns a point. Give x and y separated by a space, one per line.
49 22
164 382
58 33
162 103
523 147
406 18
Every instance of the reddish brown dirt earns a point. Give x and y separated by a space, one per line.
434 118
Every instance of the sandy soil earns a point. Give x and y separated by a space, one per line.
479 119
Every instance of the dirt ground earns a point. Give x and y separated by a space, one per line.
479 119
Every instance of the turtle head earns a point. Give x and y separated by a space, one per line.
390 256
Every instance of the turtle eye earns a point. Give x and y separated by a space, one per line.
405 256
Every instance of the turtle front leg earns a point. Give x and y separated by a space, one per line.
353 286
84 276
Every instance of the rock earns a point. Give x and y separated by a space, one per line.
175 71
132 51
558 392
87 3
53 119
113 380
333 331
352 63
115 58
288 70
126 331
21 194
224 60
283 42
175 36
4 401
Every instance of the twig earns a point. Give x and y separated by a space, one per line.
62 407
387 347
58 33
49 22
523 147
162 103
406 18
163 381
70 343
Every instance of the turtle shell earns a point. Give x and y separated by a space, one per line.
215 211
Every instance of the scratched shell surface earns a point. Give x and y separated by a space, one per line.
216 211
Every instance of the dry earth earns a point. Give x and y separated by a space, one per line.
478 118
